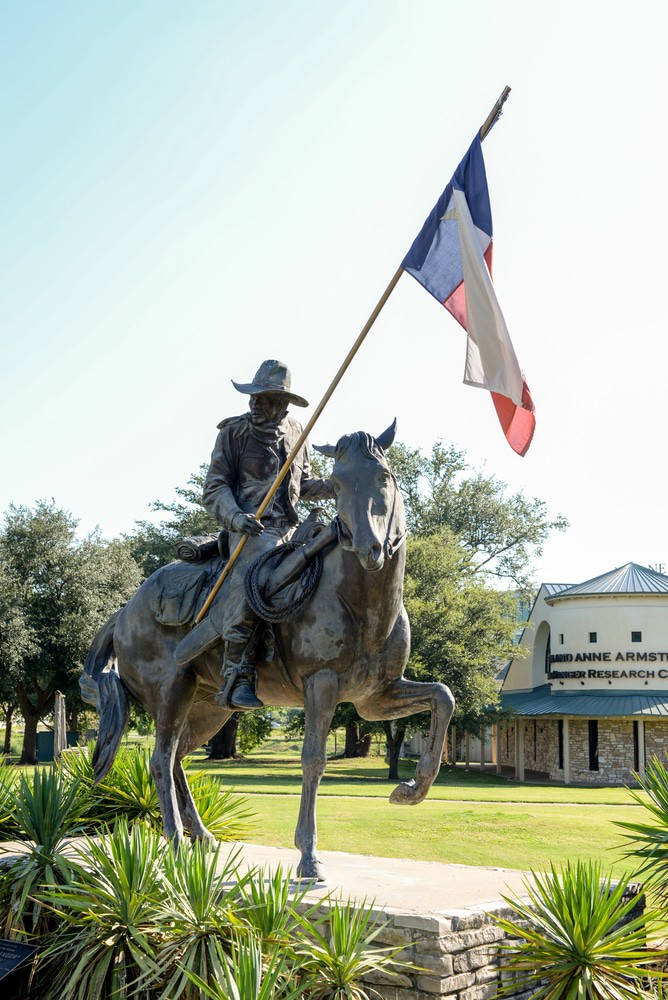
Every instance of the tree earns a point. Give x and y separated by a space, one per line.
248 729
65 588
501 533
154 545
16 643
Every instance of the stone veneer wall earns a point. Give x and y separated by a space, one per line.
656 740
615 748
458 952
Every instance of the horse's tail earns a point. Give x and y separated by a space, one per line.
102 687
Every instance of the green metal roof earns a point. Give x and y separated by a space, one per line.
593 704
628 579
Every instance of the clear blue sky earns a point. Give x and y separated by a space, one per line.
189 188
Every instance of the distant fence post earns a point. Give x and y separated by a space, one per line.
59 725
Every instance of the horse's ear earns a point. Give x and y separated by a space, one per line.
387 437
326 449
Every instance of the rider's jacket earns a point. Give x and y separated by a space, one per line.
245 462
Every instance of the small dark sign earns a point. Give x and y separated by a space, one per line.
13 954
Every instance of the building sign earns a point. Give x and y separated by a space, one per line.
609 673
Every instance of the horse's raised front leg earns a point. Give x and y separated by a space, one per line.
203 721
321 693
171 712
404 697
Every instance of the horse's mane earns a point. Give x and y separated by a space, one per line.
361 442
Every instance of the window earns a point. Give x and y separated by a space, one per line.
636 636
561 638
593 637
560 740
636 748
593 744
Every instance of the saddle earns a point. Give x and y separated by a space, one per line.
178 591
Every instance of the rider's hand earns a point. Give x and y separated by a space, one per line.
246 524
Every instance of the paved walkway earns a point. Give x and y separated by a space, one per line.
425 887
399 883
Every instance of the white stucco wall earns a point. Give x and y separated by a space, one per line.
613 662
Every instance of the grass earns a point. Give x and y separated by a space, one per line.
468 817
512 836
269 774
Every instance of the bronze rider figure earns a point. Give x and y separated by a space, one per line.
249 451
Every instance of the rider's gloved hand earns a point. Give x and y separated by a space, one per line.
247 524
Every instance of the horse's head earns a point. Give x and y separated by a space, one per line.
368 501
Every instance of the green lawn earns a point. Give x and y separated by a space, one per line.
468 817
367 777
506 836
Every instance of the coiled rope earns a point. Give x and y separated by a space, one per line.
290 599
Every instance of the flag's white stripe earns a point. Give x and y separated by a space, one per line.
490 358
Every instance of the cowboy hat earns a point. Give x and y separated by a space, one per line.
271 376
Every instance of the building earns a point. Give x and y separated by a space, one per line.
588 694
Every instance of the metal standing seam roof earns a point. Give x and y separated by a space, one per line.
541 701
628 579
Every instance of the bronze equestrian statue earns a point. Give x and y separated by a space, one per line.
350 643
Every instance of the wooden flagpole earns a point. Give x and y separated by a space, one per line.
492 117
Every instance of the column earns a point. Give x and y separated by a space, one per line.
519 748
467 749
482 748
641 748
567 753
453 730
497 747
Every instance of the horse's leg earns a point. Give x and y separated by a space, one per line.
404 697
321 693
172 710
204 720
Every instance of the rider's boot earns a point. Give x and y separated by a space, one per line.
237 691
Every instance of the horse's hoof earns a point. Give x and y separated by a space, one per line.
206 838
408 793
310 870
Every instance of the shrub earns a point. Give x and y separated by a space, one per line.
336 961
572 941
107 918
129 790
47 810
198 918
648 841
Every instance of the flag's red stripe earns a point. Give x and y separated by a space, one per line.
518 422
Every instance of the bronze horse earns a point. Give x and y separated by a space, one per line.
349 644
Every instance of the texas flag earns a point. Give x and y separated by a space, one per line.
452 258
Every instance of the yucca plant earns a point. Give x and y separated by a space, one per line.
8 782
245 976
225 814
198 918
47 811
647 842
337 959
270 904
129 790
572 941
105 943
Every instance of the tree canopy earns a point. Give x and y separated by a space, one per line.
58 590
